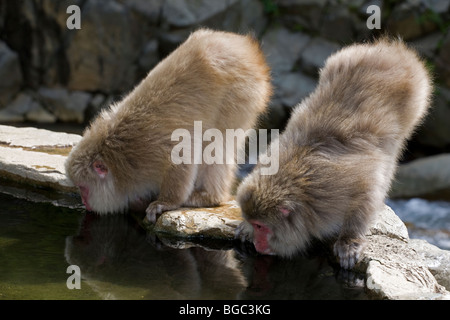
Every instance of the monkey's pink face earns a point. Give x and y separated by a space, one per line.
263 234
102 171
84 191
261 237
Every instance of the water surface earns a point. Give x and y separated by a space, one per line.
119 260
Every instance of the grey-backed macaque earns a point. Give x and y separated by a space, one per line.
219 80
339 152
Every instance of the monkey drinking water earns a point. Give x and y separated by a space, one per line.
218 79
338 153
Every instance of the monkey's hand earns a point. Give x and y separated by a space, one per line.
348 251
244 232
155 209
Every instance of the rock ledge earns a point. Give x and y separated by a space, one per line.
395 266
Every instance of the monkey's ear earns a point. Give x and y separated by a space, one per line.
284 210
100 168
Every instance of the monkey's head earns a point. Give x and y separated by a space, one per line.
90 167
285 209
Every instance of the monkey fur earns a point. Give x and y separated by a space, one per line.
124 158
338 153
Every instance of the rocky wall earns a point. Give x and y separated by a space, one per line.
50 73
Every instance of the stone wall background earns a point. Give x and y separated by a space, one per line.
50 74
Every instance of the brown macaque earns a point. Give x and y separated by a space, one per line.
219 80
338 153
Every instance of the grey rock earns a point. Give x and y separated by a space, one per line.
56 10
437 6
17 109
34 168
397 268
180 17
306 14
39 115
437 260
428 45
422 177
149 56
338 24
65 105
316 52
435 131
218 222
75 107
405 21
33 138
283 48
101 55
387 223
10 74
443 61
24 107
293 87
151 10
36 156
182 13
402 281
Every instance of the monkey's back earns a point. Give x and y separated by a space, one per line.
218 78
377 92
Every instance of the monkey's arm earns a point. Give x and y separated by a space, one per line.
177 185
351 240
244 232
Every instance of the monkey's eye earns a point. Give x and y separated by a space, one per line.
257 226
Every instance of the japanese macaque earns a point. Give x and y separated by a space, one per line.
124 161
338 153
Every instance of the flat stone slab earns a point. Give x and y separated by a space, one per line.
34 138
36 156
218 222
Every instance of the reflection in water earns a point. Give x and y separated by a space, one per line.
120 261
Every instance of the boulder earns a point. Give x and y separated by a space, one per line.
230 15
25 107
36 156
409 20
305 14
435 131
16 110
443 60
283 48
66 106
101 56
292 87
316 53
397 268
182 13
10 74
217 223
422 177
